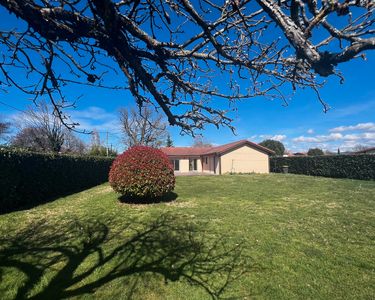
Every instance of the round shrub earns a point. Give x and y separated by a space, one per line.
142 172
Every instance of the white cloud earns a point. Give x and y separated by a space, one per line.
310 131
343 137
359 127
88 125
332 141
88 119
277 137
319 138
351 137
351 144
369 136
305 139
92 113
95 118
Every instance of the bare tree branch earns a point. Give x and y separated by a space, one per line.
186 56
142 127
4 128
41 130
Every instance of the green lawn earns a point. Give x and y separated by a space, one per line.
235 237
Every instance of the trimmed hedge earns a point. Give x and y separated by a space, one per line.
336 166
28 179
142 173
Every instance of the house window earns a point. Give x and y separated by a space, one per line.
206 160
176 164
193 164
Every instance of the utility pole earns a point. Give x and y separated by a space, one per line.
107 144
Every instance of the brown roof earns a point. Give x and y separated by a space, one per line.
365 150
199 151
185 151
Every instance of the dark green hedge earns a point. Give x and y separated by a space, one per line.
336 166
27 179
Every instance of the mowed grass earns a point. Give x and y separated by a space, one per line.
234 237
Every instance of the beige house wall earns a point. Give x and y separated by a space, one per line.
244 160
199 165
217 164
184 165
209 166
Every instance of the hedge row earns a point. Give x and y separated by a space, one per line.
336 166
27 179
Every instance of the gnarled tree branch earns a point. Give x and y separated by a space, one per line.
182 56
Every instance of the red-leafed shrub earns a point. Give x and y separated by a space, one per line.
142 172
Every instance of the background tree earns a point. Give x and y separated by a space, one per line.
35 139
169 142
4 129
30 138
357 148
143 127
42 128
97 149
95 139
276 146
102 151
72 144
171 51
315 152
329 152
201 142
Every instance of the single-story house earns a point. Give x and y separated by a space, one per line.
237 157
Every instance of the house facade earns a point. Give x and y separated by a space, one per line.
237 157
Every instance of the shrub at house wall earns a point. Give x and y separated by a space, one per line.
336 166
142 172
29 178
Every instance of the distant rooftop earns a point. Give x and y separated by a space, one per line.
372 149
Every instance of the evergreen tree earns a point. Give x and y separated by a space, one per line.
169 142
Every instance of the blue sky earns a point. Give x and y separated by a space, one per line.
300 125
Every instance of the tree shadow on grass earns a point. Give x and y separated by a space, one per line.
169 197
84 257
